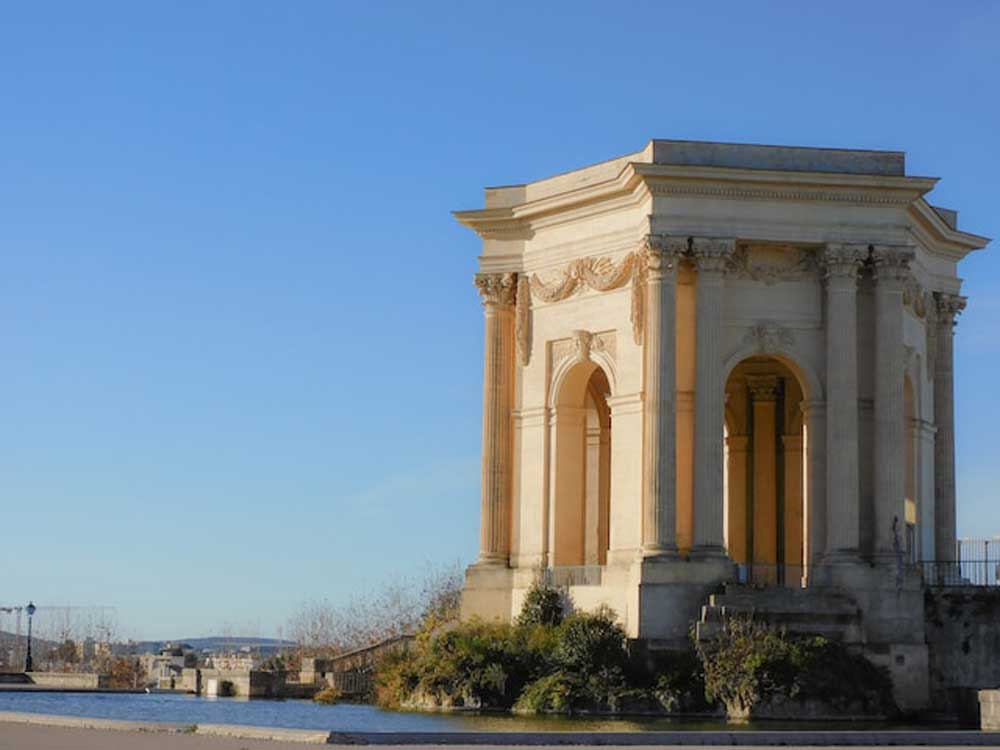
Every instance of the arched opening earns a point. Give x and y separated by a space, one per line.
581 449
765 482
911 509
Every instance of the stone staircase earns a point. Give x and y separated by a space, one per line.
822 612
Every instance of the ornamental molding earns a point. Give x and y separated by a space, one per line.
773 263
787 195
583 346
598 273
768 337
914 297
522 320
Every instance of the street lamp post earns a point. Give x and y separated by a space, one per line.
27 658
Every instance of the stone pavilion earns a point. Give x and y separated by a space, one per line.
710 363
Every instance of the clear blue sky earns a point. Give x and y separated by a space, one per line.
240 349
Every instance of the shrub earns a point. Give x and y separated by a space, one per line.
591 645
474 664
553 693
328 695
750 665
543 605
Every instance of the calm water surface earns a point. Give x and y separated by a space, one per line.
301 714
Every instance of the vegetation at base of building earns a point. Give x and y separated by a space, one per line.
542 663
581 663
756 671
328 695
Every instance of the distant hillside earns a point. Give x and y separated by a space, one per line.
217 644
38 645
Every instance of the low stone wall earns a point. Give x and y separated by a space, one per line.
963 636
70 680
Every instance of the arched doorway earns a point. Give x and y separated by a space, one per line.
765 489
581 449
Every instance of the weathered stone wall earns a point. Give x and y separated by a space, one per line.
963 636
69 680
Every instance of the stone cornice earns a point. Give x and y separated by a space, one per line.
939 238
519 222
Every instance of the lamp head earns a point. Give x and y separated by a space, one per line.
31 609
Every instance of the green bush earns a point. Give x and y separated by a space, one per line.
750 665
543 605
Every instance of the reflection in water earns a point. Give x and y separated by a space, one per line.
300 714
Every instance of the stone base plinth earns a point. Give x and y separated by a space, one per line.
671 593
487 592
989 710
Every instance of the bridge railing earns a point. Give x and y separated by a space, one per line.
950 573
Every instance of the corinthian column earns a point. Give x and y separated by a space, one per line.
948 308
842 503
659 466
891 272
498 291
710 256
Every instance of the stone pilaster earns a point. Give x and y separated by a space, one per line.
814 416
659 485
841 263
498 291
710 256
891 273
948 308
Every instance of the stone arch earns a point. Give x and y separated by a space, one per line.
766 498
583 351
580 443
809 379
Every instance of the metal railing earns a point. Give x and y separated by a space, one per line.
574 575
946 573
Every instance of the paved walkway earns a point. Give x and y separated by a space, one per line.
23 731
33 737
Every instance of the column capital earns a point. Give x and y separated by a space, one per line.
497 289
661 253
949 306
763 387
843 260
712 254
892 264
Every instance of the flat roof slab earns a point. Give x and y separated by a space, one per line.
778 158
